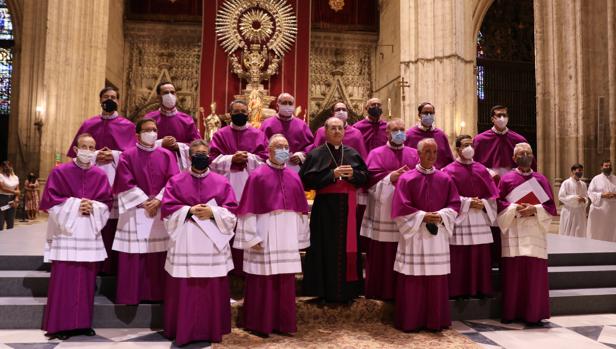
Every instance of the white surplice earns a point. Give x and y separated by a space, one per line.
74 237
192 253
573 212
419 252
472 226
237 179
281 234
602 215
524 236
377 223
138 236
182 155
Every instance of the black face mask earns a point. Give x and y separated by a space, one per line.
375 112
578 175
31 178
239 119
109 105
200 161
607 171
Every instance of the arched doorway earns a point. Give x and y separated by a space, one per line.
7 43
506 66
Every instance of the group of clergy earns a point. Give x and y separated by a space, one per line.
172 215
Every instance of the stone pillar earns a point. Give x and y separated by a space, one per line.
437 57
573 106
611 69
75 62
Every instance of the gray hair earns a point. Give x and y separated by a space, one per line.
330 119
521 146
284 94
275 137
197 143
424 141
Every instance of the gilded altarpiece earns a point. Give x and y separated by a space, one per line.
156 52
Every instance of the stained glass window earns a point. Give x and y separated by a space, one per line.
481 94
6 58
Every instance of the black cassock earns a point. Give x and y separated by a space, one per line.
325 266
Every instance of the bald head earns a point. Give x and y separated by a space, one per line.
334 130
395 132
278 149
373 108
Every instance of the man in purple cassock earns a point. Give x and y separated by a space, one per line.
175 129
373 129
424 208
426 129
332 270
386 164
198 208
525 211
141 238
470 245
78 198
272 232
235 151
113 135
352 137
493 147
295 130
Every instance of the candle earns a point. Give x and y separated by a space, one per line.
389 107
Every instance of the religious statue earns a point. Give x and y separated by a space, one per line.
212 123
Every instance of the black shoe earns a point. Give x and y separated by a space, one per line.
259 334
58 335
535 324
89 332
506 322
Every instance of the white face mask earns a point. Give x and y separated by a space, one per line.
285 110
86 156
468 153
148 137
501 122
342 115
169 100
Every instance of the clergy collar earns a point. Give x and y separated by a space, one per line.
394 146
82 166
110 117
499 132
276 166
171 112
199 175
525 174
146 148
424 128
333 146
238 128
464 161
425 170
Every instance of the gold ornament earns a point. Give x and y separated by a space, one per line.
336 5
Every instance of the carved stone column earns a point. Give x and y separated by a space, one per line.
437 57
75 63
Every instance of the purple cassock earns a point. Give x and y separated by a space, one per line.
495 150
471 264
295 130
380 256
227 141
444 156
141 276
197 308
524 279
180 125
352 138
269 300
70 295
115 133
422 296
374 133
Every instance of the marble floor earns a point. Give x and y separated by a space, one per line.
560 332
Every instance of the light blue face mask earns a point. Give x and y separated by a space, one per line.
398 137
427 119
281 155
